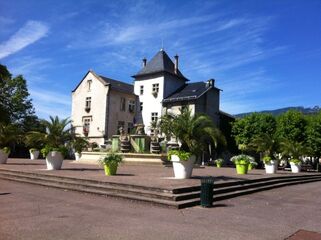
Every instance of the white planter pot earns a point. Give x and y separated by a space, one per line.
3 157
77 156
295 168
182 169
271 167
34 155
54 160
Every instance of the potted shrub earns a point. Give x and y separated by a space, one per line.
4 154
34 153
252 165
270 165
79 144
242 162
295 165
110 163
193 133
219 162
56 135
267 144
8 135
295 150
32 142
183 163
54 156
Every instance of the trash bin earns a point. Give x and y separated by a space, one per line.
207 185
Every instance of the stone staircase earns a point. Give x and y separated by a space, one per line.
176 198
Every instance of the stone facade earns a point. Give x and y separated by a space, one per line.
159 87
100 106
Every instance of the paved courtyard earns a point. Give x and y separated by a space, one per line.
35 212
147 175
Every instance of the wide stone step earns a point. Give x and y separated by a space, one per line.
83 180
161 202
218 189
181 197
233 194
100 186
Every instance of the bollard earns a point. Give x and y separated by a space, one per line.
207 185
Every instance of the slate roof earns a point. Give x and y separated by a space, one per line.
118 85
158 64
115 84
189 91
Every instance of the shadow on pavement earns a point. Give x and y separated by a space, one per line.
25 164
6 193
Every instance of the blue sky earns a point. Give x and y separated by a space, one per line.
263 54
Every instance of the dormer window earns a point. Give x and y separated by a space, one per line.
88 104
89 82
155 89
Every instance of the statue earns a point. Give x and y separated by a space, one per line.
123 136
139 129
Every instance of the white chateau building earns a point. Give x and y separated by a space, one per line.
101 105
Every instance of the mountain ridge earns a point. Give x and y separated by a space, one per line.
276 112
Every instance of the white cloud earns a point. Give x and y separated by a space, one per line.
50 97
31 32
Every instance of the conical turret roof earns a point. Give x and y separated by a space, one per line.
160 63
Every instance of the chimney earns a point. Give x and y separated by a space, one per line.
176 64
144 62
210 83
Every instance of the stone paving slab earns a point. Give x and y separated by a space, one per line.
149 176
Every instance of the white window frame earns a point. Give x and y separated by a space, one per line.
154 116
89 83
155 88
86 124
131 106
88 103
141 91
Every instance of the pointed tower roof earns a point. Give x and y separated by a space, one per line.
158 64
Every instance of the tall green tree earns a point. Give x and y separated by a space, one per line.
314 135
292 126
246 129
15 105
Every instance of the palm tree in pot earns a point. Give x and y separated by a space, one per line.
267 145
79 144
34 145
9 134
193 133
55 137
294 150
